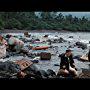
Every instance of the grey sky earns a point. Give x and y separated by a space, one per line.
78 14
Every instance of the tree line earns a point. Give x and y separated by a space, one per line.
46 20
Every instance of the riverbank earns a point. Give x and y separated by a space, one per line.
38 31
56 49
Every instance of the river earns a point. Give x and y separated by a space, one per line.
77 36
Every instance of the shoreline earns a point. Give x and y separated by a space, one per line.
40 31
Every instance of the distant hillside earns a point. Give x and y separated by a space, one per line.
77 14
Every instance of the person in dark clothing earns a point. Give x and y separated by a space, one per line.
89 55
67 65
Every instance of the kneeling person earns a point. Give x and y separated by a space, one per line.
67 65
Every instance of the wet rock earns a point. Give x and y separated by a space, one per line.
77 57
45 36
81 45
85 73
56 65
70 46
51 46
31 68
33 72
49 40
37 39
29 54
61 40
25 40
45 56
51 73
69 42
8 68
35 61
24 50
42 74
70 36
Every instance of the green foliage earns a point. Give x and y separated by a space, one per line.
13 23
1 23
47 20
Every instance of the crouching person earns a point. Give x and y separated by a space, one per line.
67 65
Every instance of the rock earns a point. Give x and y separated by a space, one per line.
70 36
45 56
45 36
56 65
24 50
32 72
77 57
49 40
61 40
35 61
69 42
42 74
32 68
26 34
37 39
51 72
51 46
8 68
70 46
85 73
81 45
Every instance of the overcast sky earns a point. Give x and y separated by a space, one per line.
78 14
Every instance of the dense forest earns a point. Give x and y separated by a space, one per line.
46 20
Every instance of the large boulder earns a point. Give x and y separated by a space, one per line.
32 71
9 69
51 73
81 45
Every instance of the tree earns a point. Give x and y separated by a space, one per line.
46 16
60 17
69 18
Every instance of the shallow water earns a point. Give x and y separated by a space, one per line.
83 37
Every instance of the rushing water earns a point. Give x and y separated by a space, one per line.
77 36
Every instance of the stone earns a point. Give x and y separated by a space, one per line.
51 72
81 45
56 65
70 36
45 56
